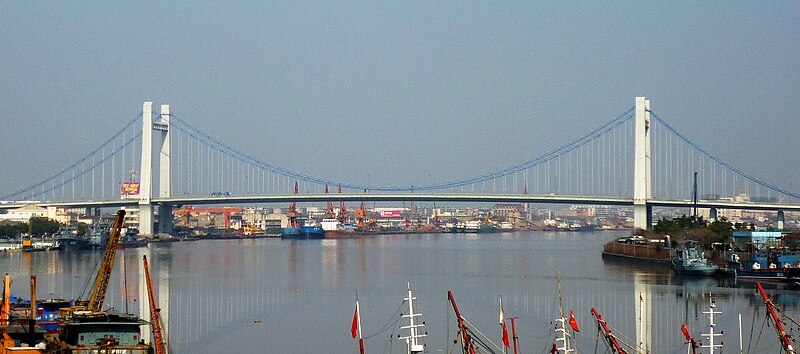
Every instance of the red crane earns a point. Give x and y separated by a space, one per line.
342 210
292 213
155 317
612 341
466 341
782 335
329 214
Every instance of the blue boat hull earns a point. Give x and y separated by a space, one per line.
305 232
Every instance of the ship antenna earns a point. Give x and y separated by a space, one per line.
711 334
562 342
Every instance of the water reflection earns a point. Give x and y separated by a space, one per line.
234 296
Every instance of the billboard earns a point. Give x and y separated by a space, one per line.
391 214
129 188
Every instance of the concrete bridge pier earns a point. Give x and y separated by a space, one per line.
712 214
781 220
165 218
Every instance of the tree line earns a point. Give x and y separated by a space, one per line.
40 226
698 229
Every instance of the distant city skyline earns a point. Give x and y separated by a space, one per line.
399 93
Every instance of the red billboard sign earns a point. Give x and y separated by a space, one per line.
129 188
391 214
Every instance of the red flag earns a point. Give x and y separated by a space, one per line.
503 324
354 327
686 332
505 336
572 322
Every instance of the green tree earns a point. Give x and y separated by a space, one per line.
723 229
12 230
43 226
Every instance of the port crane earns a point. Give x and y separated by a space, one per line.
188 210
155 316
342 210
329 213
292 213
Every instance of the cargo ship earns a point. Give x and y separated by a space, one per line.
303 232
334 228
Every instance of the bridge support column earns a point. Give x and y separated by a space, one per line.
165 218
781 220
712 214
165 176
642 187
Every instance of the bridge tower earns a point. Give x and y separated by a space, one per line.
642 184
146 179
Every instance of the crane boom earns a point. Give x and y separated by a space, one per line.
613 344
782 335
104 274
155 317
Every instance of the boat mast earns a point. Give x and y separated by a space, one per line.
784 338
562 342
514 333
5 303
412 340
711 334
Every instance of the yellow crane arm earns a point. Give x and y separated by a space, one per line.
104 274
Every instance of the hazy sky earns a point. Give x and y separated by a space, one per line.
399 90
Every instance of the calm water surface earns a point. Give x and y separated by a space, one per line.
303 292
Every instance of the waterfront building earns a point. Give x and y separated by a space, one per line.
23 214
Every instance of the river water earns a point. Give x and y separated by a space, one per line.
298 296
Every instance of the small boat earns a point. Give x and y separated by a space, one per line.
131 239
776 265
48 315
689 260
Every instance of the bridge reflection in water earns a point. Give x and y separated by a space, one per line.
241 295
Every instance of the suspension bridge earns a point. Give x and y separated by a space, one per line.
635 159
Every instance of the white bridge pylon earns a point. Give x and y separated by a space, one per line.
642 180
146 211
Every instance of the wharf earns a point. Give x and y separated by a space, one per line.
652 253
